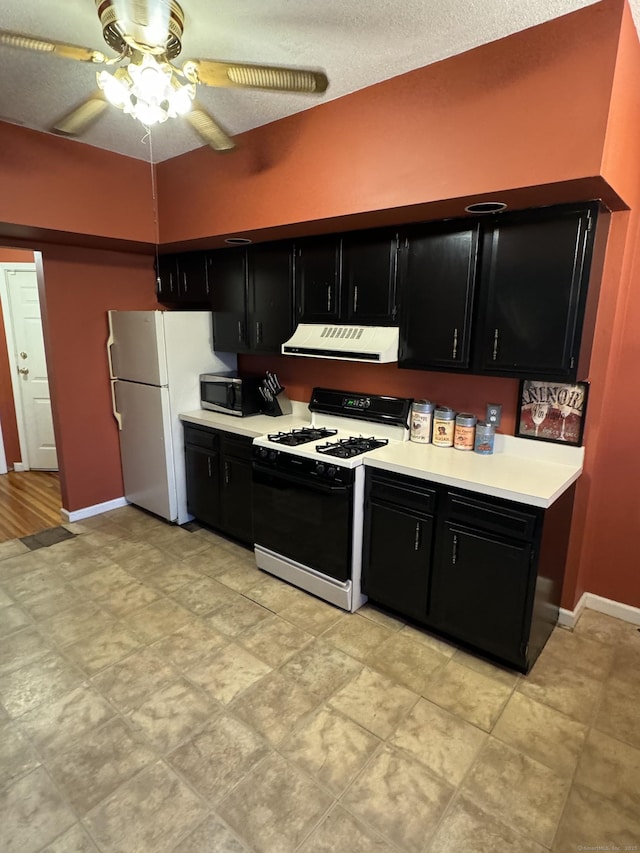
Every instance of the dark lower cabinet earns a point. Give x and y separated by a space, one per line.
481 586
399 533
237 517
481 571
202 461
218 470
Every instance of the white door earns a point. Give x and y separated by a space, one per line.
30 369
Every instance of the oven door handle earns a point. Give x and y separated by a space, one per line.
301 481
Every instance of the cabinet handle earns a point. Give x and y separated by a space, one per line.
239 332
184 281
416 543
329 294
209 464
454 551
495 344
158 284
454 349
227 476
171 282
355 298
258 332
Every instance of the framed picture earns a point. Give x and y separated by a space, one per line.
552 411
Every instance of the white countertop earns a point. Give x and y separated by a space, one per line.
522 470
252 425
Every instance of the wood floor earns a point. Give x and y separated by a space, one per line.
29 502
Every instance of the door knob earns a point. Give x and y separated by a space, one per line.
23 355
23 370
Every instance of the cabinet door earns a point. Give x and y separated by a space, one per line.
227 276
270 314
317 280
203 484
166 278
369 277
534 280
436 289
481 590
193 286
237 518
397 559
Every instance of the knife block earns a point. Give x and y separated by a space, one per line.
280 405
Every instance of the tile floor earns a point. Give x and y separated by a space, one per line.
159 693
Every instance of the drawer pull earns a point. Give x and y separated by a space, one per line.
209 464
226 473
416 544
454 550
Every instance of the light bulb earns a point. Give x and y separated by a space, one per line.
180 100
115 91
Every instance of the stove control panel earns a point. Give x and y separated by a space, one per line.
301 467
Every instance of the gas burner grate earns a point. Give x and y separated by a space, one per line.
304 435
348 447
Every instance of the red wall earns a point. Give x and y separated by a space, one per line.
53 188
80 286
528 110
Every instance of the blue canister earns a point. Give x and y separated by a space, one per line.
485 434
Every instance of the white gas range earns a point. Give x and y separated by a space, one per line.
308 491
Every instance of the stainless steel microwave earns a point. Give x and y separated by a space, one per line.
230 394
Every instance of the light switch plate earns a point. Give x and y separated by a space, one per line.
494 414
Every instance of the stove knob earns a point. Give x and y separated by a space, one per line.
273 455
331 471
320 467
263 452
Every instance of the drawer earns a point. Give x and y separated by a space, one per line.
494 517
238 446
406 492
201 437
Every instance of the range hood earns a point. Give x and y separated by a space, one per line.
378 344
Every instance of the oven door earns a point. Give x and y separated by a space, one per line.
304 520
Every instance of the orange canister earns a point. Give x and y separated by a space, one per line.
465 431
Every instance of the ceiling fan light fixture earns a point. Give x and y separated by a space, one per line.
147 90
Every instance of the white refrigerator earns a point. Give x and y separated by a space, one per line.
155 361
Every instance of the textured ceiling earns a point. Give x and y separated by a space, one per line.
357 42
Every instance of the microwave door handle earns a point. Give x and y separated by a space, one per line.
231 396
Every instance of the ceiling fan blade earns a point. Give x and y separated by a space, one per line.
68 51
82 117
208 130
245 75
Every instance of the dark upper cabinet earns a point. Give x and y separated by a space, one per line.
270 296
182 279
318 281
251 297
369 261
227 271
348 279
193 285
437 280
534 279
166 278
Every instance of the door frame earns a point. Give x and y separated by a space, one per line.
24 464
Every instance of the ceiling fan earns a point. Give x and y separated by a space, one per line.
147 37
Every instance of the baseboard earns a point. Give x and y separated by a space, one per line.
96 509
19 466
568 618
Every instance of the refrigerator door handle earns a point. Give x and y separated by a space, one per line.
110 343
116 413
